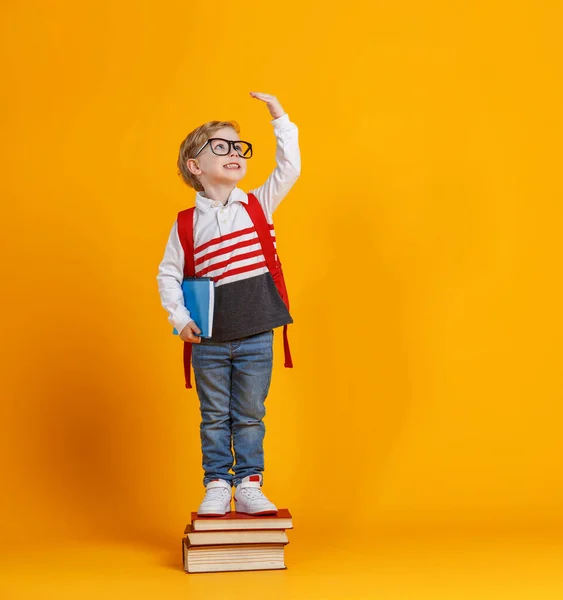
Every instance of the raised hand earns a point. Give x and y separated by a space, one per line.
272 103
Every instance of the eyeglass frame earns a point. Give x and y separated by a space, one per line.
231 145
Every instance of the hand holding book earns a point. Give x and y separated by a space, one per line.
190 333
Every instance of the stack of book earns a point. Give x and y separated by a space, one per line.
236 542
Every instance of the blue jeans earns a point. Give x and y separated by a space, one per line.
232 381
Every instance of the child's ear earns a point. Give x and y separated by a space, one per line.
193 166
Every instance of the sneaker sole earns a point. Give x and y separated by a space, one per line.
213 514
254 514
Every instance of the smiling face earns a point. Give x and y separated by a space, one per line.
212 170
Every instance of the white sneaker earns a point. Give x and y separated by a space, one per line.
249 498
217 499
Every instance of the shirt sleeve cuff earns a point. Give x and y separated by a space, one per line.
180 318
281 122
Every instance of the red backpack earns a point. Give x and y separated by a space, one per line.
256 214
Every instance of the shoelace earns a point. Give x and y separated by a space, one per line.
252 493
216 494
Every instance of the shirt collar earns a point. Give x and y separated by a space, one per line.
203 203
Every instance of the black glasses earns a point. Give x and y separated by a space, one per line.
222 147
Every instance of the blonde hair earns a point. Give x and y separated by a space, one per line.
193 142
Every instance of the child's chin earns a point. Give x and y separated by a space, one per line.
233 175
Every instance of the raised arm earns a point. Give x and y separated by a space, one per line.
288 157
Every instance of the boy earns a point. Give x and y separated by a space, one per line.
233 368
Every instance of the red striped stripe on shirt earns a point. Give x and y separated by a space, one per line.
211 255
225 238
230 260
212 258
240 270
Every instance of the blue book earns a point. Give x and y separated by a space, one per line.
199 299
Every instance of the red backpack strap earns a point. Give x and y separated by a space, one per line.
263 229
186 235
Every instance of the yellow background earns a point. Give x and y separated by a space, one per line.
422 253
